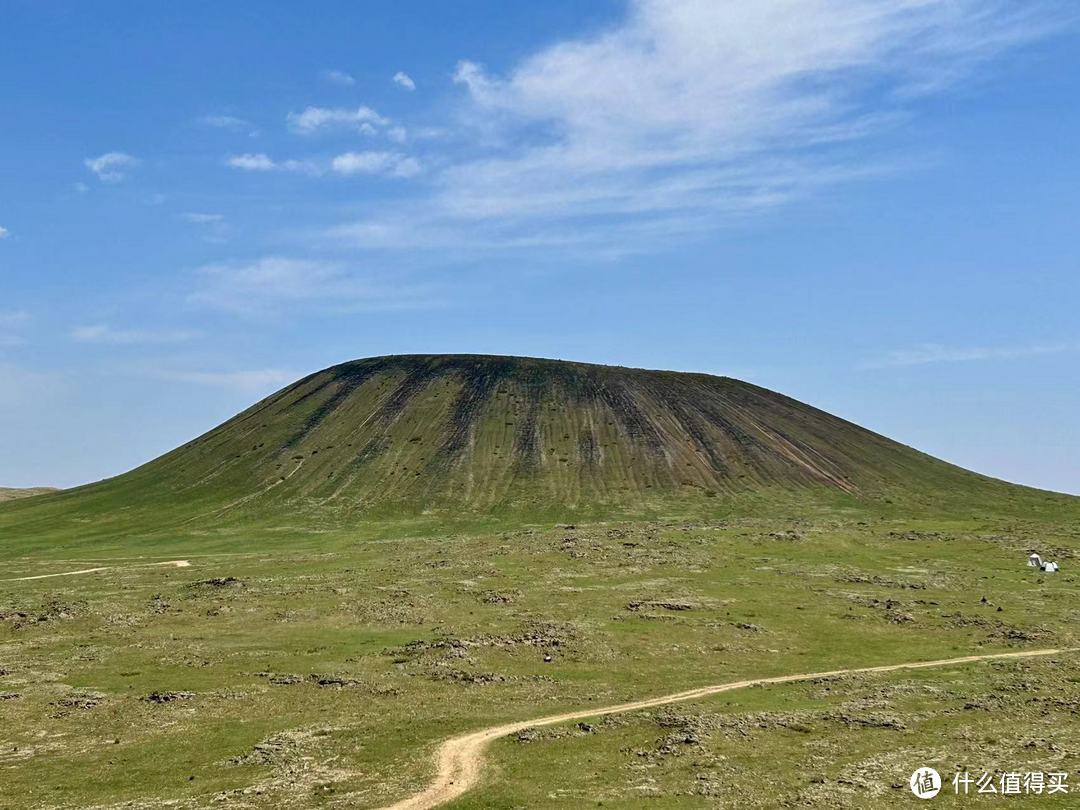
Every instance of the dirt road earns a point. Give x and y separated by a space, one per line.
174 563
459 760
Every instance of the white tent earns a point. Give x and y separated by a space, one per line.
1035 561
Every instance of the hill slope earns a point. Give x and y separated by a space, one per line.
446 434
11 493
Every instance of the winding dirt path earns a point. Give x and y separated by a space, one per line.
459 760
173 563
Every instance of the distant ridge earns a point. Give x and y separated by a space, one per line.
455 434
11 493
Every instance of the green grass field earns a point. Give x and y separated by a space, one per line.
293 669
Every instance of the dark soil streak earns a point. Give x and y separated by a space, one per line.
622 402
527 433
475 394
348 380
389 411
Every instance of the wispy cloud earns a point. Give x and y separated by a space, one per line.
21 387
203 219
213 226
261 162
934 353
275 283
105 334
229 122
14 320
372 162
315 119
4 232
12 325
688 115
339 77
393 164
112 167
403 79
247 381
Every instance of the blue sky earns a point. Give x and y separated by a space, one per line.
868 205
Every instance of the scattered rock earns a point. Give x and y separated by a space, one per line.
668 605
494 598
790 536
79 700
285 678
477 678
168 697
334 680
219 582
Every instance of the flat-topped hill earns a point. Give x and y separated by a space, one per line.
452 434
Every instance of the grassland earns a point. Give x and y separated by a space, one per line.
11 493
381 557
306 668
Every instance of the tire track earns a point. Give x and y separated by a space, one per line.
460 760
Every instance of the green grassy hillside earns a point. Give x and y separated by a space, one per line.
476 437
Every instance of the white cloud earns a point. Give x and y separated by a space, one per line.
4 232
212 227
104 334
252 162
203 219
261 162
274 283
933 353
392 164
248 381
230 122
112 167
403 79
407 167
687 115
338 77
314 119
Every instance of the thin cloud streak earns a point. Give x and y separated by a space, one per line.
247 381
112 167
12 325
932 353
228 122
278 283
694 111
103 333
338 77
261 162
